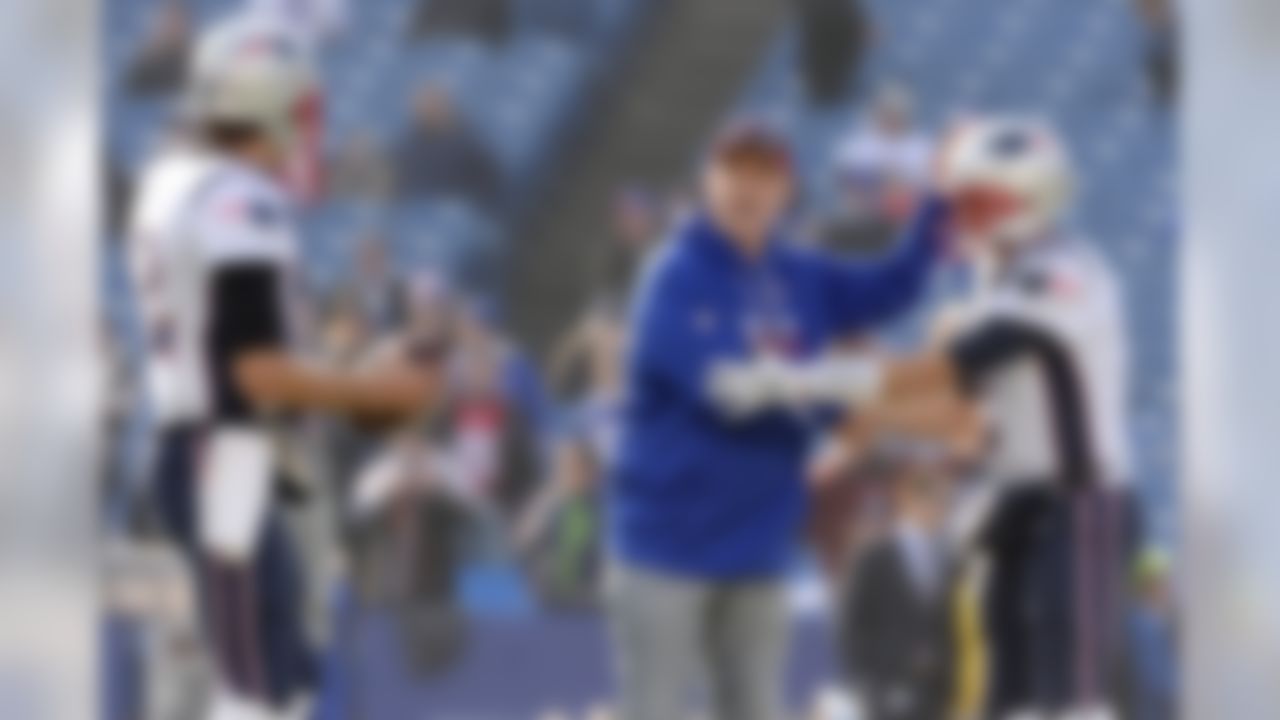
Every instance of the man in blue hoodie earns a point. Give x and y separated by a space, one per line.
725 378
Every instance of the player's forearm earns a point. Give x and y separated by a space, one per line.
278 381
920 243
339 392
875 293
923 376
951 422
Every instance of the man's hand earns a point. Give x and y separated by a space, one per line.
838 454
941 169
390 389
918 405
399 387
399 393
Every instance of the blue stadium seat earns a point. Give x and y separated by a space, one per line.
520 97
447 235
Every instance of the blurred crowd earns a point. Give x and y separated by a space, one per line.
440 154
437 153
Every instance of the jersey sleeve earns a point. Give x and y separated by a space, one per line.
245 236
246 314
1036 317
242 221
986 348
1036 329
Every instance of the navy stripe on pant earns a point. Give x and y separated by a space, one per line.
1055 603
253 613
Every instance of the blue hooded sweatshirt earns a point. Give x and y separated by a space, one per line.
694 492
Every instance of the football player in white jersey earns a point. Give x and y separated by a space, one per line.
1036 359
212 254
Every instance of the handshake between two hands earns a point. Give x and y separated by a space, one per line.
903 398
743 389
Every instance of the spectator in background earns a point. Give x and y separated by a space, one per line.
1155 641
160 67
351 337
439 156
588 362
1162 52
889 151
317 20
849 511
359 317
347 334
493 416
521 379
407 530
360 169
560 532
857 225
834 36
898 636
431 312
488 20
636 225
882 168
346 342
374 287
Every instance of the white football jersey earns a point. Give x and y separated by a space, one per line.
195 215
1045 346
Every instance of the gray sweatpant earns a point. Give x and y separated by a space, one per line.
669 632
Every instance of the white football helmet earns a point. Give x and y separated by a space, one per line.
1009 179
249 69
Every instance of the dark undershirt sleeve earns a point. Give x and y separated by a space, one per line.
246 314
990 347
976 355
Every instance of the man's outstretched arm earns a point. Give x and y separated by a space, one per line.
863 293
931 395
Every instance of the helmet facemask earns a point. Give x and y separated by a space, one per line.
1008 181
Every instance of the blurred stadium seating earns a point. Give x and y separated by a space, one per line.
522 96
